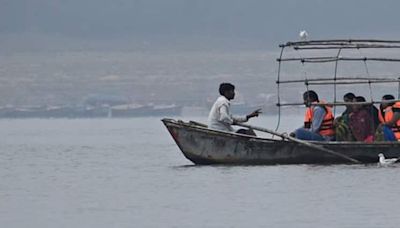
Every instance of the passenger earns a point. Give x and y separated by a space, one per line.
318 122
389 116
374 112
220 117
361 122
342 129
348 98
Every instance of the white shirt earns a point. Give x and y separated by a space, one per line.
220 117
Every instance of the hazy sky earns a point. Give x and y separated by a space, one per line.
162 20
129 30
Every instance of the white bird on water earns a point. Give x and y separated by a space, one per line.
386 161
303 35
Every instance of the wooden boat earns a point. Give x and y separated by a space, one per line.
205 146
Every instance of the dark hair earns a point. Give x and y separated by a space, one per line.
223 87
349 96
310 95
360 99
388 97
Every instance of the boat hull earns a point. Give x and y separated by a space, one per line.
205 146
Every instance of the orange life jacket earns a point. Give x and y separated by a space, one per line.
387 115
326 128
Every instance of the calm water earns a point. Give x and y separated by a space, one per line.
129 173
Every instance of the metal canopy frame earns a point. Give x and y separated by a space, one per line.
339 45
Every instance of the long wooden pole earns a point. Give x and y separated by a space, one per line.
343 46
302 142
354 80
341 103
341 42
327 59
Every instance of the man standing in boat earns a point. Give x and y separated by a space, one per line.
220 117
318 120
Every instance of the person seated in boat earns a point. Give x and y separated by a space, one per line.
374 112
341 123
361 122
389 116
318 122
220 117
348 98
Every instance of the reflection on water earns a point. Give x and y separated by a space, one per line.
130 173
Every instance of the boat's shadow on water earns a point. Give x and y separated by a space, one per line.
194 166
308 166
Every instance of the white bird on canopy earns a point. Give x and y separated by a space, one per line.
303 35
386 161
